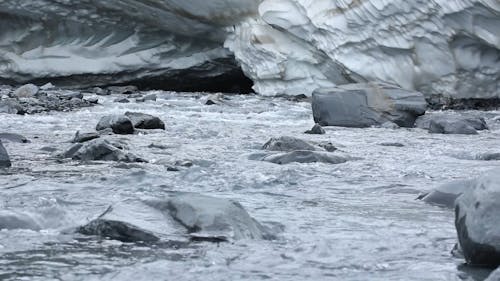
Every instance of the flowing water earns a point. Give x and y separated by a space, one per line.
354 221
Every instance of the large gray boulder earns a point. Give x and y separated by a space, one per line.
446 194
289 144
439 123
11 137
197 216
99 149
26 91
4 157
367 104
120 124
145 121
477 220
304 156
130 221
209 218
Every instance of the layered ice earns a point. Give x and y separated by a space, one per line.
440 47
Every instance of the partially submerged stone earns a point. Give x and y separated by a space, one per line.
84 137
305 156
26 91
99 149
367 104
15 220
289 144
120 124
440 123
316 130
477 214
445 195
11 137
4 157
145 121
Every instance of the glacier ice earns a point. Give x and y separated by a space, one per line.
445 48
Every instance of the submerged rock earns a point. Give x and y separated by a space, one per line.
367 104
120 124
130 221
84 137
122 100
4 157
451 124
305 156
210 218
446 194
488 156
316 130
14 220
151 97
13 138
200 217
99 149
145 121
289 144
11 106
477 214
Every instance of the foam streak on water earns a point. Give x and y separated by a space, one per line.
352 221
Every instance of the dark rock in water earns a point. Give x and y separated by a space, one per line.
444 126
445 195
131 221
151 97
328 146
72 95
477 214
122 100
122 90
202 217
367 104
395 144
26 91
214 99
451 124
92 100
99 149
13 138
289 144
4 157
494 276
304 156
120 124
490 156
209 218
11 106
145 121
316 130
210 102
14 220
84 137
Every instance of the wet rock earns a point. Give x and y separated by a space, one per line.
444 126
476 219
122 100
209 218
390 125
494 276
130 221
316 130
289 144
11 106
451 124
4 157
328 146
489 156
92 100
26 91
214 99
47 86
145 121
14 220
367 104
151 97
446 194
395 144
122 90
305 156
13 138
99 149
100 91
84 137
120 124
72 95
